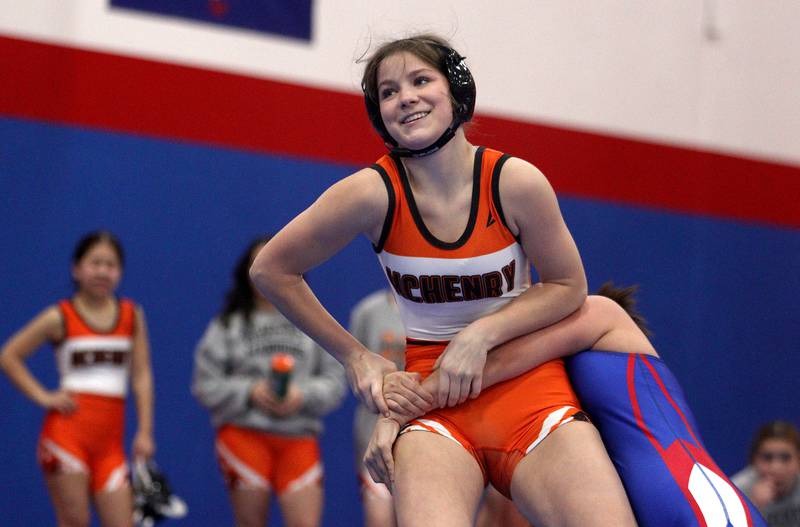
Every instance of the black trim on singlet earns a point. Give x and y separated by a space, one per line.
113 328
387 221
498 205
420 342
473 212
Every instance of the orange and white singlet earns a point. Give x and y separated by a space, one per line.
94 366
441 288
95 361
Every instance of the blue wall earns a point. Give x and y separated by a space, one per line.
720 295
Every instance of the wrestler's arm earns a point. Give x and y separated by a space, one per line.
579 331
354 205
532 213
600 323
142 387
46 326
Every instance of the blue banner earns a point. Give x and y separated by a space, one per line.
291 18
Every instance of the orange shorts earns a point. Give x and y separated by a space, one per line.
506 421
253 459
90 440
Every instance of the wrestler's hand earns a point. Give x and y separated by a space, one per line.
60 401
365 372
405 395
378 458
460 368
143 445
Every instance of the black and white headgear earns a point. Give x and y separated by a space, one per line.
462 90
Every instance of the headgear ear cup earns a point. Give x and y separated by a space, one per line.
462 85
462 89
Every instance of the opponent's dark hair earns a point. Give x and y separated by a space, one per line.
241 296
91 239
775 430
626 298
437 52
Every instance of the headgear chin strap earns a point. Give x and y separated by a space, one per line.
428 150
462 90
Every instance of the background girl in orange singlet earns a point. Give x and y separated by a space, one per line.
100 341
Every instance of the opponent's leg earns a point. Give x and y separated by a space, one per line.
250 506
437 482
69 493
302 507
568 480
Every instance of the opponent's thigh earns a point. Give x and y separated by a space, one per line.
437 482
568 480
115 508
250 506
70 496
302 507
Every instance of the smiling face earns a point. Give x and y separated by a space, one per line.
414 99
98 271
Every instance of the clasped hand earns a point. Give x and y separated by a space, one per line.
365 373
460 368
406 399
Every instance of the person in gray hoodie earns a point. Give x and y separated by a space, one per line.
267 386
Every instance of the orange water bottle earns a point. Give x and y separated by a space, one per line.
282 366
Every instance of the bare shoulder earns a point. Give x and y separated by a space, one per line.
138 310
519 175
365 186
525 194
52 322
48 324
362 197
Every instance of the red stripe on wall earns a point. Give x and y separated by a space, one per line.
112 92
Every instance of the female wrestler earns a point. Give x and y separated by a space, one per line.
636 403
266 440
455 227
99 342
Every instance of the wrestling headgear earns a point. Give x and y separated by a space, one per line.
462 90
152 499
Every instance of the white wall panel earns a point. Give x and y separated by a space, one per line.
715 74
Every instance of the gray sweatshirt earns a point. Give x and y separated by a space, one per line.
228 361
